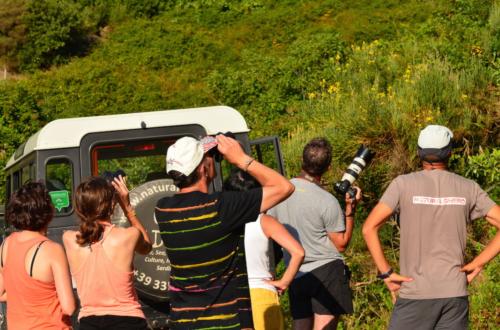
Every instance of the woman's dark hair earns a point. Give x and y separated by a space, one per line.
94 200
30 207
240 181
317 156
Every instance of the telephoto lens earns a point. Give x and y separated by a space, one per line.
361 160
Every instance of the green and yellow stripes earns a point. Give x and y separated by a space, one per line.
224 304
208 318
191 230
231 326
189 208
207 263
197 218
199 246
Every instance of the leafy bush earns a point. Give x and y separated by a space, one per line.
54 32
372 72
12 32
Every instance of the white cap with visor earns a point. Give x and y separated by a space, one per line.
186 153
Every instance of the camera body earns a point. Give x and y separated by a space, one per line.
362 158
110 176
214 152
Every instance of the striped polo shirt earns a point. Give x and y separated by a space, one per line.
202 234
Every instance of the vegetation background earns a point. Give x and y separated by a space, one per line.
360 71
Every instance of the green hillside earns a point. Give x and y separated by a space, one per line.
357 71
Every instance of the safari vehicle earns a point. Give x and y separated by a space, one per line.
66 151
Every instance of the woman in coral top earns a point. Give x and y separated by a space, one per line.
101 256
34 274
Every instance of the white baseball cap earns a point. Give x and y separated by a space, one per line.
435 137
186 153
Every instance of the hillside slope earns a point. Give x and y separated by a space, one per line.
359 71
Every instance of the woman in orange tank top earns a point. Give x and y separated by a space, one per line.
34 274
101 256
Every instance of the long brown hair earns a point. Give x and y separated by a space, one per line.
94 200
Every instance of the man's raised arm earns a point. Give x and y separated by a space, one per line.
275 187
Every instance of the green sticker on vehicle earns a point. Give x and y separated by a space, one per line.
60 199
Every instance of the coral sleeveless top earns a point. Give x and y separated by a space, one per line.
103 289
31 304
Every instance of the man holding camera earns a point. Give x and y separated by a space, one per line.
201 232
320 292
435 206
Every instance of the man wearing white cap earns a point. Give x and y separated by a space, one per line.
435 206
202 233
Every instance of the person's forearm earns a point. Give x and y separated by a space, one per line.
375 248
275 187
349 227
135 222
490 251
267 177
350 210
292 269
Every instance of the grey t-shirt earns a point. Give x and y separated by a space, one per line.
435 207
309 214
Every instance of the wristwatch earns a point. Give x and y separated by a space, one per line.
385 275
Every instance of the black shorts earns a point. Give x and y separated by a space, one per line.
323 291
113 322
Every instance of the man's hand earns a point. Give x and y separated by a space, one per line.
472 270
394 282
356 199
231 150
350 203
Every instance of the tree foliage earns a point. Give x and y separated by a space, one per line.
12 32
54 34
372 72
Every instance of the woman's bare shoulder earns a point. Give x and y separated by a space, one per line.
52 249
125 234
69 238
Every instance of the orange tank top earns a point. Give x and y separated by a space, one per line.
31 304
103 289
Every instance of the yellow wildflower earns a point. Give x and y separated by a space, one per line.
334 88
477 50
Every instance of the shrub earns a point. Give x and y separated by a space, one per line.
54 32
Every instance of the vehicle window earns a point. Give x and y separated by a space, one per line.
142 161
16 181
25 175
267 151
225 169
33 171
7 188
59 181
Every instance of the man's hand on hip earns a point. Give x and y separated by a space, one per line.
472 270
394 282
